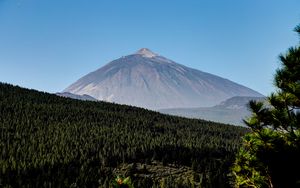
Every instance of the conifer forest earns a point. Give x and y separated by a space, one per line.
52 141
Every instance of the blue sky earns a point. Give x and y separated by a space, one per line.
49 44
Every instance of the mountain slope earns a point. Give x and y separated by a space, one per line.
52 141
74 96
231 111
148 80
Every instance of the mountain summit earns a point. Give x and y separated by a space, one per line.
145 52
148 80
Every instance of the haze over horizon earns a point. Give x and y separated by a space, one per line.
47 45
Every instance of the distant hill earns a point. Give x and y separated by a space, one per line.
146 79
52 141
74 96
231 111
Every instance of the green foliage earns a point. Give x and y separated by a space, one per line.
122 182
51 141
271 152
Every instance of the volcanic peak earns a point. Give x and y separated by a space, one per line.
145 52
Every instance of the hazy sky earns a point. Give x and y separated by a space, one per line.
49 44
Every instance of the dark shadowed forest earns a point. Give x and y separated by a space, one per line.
51 141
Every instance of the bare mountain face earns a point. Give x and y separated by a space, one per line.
148 80
231 111
84 97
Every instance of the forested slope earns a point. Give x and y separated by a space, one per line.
51 141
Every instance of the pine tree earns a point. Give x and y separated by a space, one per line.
270 155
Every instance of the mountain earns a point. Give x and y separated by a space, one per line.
146 79
74 96
230 111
